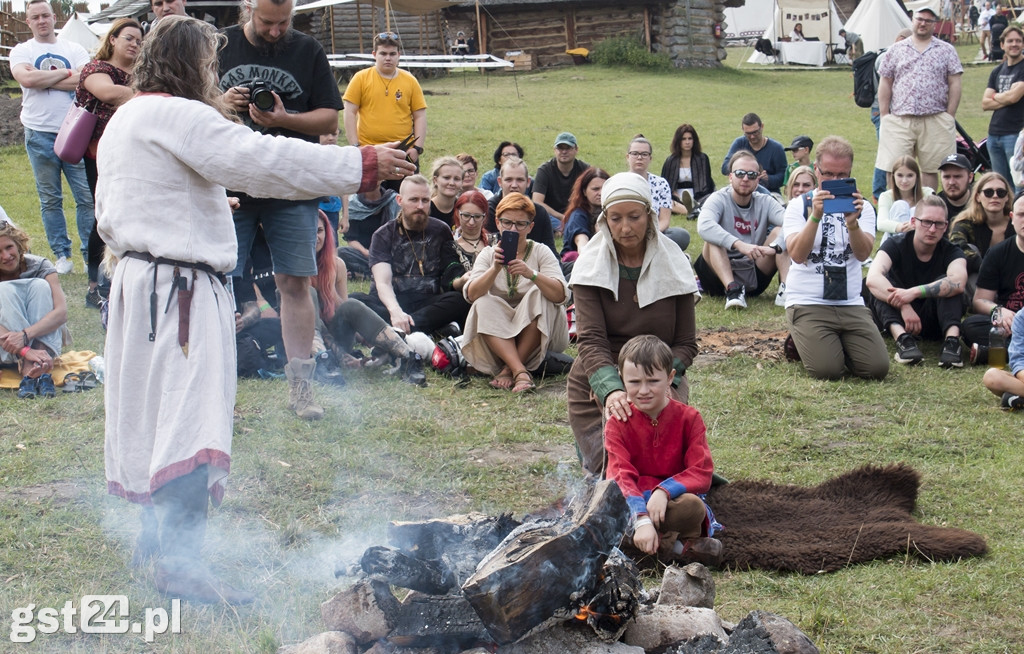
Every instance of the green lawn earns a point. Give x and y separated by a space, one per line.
302 496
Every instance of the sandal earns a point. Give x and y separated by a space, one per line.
523 385
88 381
503 380
72 383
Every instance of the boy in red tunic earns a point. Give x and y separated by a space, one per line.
659 457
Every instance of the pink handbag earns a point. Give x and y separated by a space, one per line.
75 134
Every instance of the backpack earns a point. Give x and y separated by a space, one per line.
865 82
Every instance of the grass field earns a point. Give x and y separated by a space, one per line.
302 496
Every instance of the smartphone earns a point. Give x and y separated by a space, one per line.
843 190
509 245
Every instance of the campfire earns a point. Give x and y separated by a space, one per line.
485 583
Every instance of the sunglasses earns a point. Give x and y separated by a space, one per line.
998 192
388 36
749 174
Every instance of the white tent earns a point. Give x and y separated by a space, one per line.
819 20
877 22
78 32
747 22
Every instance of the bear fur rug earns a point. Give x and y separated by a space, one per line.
859 516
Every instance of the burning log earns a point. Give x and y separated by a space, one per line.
459 542
540 569
398 568
616 599
437 621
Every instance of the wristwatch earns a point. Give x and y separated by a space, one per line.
778 248
417 149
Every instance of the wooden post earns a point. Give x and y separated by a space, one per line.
334 46
359 27
570 29
647 28
481 29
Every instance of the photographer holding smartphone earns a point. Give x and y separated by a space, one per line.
516 288
829 324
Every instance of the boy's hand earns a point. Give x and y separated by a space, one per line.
656 506
646 539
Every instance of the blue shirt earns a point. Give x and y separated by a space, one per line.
772 158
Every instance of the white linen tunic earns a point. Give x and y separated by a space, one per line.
164 163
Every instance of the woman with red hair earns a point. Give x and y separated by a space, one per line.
341 318
515 317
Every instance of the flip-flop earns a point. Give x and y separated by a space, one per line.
72 383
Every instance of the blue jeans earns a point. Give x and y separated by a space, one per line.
879 182
47 167
290 230
1000 151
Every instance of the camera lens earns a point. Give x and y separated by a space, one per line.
262 98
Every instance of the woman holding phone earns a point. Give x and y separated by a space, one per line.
515 287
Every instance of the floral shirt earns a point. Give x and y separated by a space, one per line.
83 98
919 86
661 192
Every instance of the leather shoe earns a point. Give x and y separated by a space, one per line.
451 329
707 551
195 583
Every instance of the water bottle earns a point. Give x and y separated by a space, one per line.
996 347
96 366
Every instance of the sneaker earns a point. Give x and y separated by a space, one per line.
780 297
64 265
44 386
952 353
28 388
411 369
1011 402
93 298
736 296
907 351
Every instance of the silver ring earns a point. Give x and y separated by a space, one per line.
397 170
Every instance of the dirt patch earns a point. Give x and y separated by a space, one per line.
57 491
11 131
718 344
523 454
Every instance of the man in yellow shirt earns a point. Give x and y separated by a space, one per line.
384 104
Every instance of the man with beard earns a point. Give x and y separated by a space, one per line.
413 261
293 70
957 180
740 230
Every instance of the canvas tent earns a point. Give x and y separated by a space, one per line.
747 22
820 19
877 22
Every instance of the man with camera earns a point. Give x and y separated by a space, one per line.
740 229
917 286
830 328
414 261
279 81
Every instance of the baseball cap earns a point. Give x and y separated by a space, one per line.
929 9
801 142
565 138
958 160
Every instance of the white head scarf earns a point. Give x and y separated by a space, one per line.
665 271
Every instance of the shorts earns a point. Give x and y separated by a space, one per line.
928 138
290 230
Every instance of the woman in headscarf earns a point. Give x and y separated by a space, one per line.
629 280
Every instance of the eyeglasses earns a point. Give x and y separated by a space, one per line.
471 217
508 224
513 153
639 155
388 36
932 224
998 192
925 21
754 133
469 171
130 39
749 174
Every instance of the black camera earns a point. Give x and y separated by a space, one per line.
260 95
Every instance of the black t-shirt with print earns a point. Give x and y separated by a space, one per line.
1002 271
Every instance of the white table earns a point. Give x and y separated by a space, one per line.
809 53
